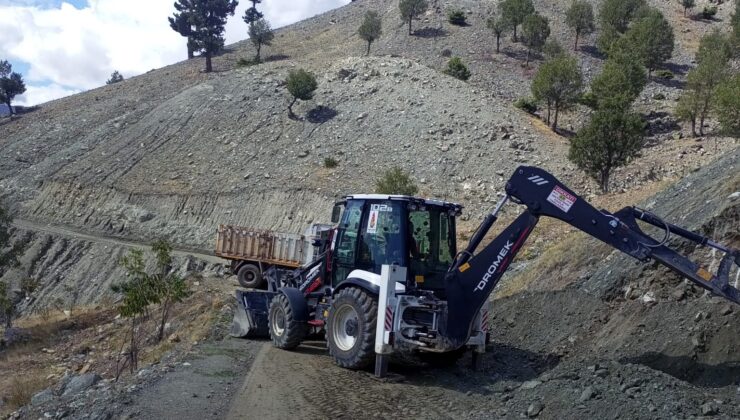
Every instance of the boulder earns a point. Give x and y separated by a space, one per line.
42 397
80 383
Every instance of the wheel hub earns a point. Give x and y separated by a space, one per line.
351 327
345 327
278 323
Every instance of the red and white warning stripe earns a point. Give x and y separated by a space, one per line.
484 320
388 318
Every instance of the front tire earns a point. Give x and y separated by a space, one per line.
249 276
350 328
285 332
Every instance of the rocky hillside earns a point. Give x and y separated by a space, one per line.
174 152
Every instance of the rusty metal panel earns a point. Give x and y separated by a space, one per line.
234 242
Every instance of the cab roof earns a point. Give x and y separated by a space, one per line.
416 200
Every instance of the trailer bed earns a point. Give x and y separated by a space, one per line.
264 246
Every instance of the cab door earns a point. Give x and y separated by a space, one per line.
346 248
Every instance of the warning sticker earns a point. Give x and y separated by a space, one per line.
372 222
561 199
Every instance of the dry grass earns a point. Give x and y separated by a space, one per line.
24 387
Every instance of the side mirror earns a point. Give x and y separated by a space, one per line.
335 213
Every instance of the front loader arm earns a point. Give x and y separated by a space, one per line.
471 279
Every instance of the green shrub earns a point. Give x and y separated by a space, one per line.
659 97
395 181
708 12
526 104
456 17
664 74
330 163
589 99
446 52
246 62
456 68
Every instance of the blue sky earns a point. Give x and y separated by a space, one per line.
65 47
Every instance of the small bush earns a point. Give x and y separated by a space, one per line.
456 17
664 74
395 181
446 53
659 97
526 104
246 62
330 163
456 68
708 12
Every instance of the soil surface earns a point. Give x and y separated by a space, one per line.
199 388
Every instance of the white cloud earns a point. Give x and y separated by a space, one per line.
40 94
70 49
279 13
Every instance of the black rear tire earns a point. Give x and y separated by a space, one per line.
249 276
285 332
350 328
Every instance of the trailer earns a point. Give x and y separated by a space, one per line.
253 251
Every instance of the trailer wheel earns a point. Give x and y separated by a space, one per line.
285 332
249 276
350 328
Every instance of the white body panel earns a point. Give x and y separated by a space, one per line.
376 279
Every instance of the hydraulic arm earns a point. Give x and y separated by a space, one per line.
472 278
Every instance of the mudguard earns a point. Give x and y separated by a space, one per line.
297 303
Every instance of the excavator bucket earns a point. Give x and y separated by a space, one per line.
250 317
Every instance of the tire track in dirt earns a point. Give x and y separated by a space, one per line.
305 383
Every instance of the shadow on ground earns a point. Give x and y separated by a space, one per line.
689 370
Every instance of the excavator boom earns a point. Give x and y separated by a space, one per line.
472 277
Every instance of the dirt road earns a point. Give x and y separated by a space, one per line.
109 240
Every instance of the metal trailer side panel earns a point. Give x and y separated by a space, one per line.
284 249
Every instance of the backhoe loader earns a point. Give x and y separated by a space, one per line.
388 278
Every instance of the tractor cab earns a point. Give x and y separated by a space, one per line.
415 233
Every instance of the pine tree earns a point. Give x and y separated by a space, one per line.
260 34
687 4
115 77
580 18
181 22
712 70
610 140
252 15
559 83
208 18
615 17
651 38
727 106
620 82
371 28
536 29
688 109
513 12
411 9
713 43
301 85
498 26
11 85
